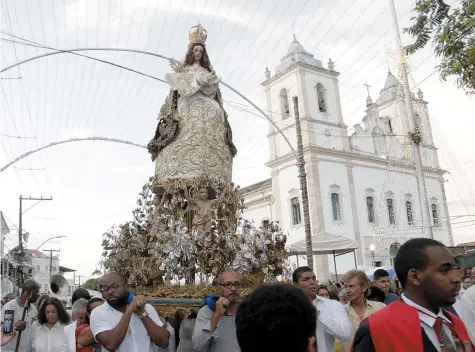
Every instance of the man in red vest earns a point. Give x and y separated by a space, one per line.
430 281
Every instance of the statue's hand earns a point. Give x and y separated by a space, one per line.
176 65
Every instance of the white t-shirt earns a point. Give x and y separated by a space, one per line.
137 339
30 318
45 340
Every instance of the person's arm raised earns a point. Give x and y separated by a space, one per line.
158 333
110 337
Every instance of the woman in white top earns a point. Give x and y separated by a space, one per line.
48 333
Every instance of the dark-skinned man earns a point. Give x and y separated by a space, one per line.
332 321
215 330
119 326
430 280
29 291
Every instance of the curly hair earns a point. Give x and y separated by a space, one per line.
63 316
271 312
204 61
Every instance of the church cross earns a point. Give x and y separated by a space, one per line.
367 87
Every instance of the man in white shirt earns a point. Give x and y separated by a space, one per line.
123 327
29 290
466 311
78 313
332 321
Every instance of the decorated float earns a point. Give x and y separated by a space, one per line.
188 225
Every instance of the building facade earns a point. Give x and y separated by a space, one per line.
361 181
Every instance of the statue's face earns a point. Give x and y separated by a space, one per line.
197 53
203 194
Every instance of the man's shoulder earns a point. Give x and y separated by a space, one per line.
205 311
10 305
376 305
392 298
328 302
102 310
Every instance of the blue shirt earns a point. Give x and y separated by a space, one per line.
391 298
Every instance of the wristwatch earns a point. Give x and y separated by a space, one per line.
143 314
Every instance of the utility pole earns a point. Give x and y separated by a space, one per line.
415 133
20 231
303 185
50 258
80 276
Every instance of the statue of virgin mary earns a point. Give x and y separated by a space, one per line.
193 139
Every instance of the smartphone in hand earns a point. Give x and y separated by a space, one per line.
8 321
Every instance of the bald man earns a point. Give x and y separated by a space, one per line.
215 330
29 292
123 327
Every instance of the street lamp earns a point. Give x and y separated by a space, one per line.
372 248
49 239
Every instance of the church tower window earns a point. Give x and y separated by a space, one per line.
321 98
390 126
370 208
391 214
379 141
410 217
336 206
297 219
435 215
284 101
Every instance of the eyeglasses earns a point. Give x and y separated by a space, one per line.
113 287
229 285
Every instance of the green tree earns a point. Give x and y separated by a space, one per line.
91 284
453 35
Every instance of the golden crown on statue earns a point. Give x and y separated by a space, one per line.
198 34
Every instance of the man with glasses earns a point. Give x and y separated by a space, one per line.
123 327
215 329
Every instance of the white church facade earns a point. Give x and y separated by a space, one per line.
361 181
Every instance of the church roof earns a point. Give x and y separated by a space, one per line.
297 53
258 185
389 92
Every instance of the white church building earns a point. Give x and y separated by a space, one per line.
361 181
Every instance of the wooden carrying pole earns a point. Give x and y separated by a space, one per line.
25 309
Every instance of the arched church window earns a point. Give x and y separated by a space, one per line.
410 216
418 121
435 215
284 102
391 214
322 106
336 206
390 126
370 208
296 218
379 141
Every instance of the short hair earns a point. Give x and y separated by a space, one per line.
413 255
29 285
358 274
80 293
271 312
380 273
81 303
63 316
299 271
376 292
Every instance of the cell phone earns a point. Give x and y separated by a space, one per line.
8 321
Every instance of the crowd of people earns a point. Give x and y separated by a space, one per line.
428 306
